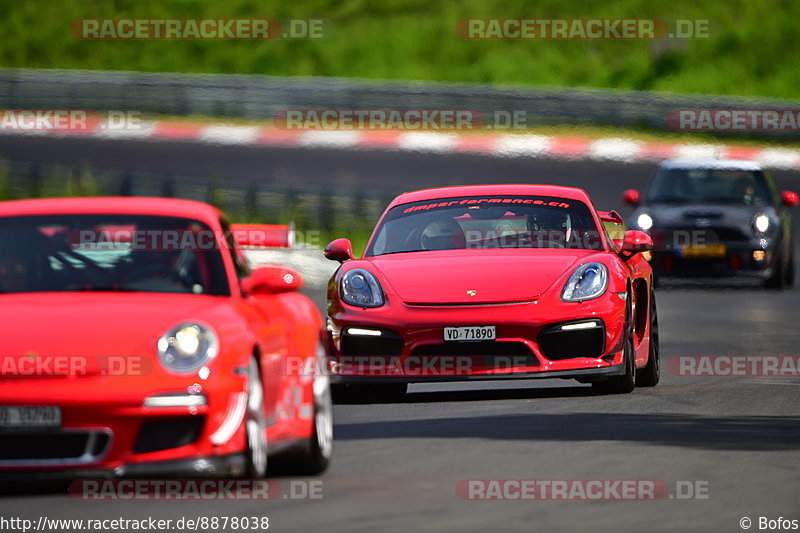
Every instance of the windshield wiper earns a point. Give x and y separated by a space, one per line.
407 252
108 288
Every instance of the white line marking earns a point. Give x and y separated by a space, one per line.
427 142
615 149
522 145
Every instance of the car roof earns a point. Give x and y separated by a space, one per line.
129 205
521 189
710 163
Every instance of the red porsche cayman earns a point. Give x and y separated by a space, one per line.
136 342
492 282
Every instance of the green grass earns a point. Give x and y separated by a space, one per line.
753 49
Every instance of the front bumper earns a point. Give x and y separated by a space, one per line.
714 251
413 348
105 426
588 374
739 260
204 467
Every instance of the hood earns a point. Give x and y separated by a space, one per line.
497 276
92 325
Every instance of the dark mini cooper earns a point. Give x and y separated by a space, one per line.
715 218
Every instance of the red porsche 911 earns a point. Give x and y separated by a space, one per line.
492 282
135 341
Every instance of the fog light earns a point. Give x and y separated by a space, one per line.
759 255
175 400
363 332
579 325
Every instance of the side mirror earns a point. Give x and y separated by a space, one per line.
636 241
272 279
790 198
339 250
610 216
631 197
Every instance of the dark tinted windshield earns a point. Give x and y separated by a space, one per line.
109 253
487 222
709 186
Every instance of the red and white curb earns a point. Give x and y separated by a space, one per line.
494 144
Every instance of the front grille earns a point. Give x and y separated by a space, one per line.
729 234
388 344
169 432
476 355
67 447
674 238
557 344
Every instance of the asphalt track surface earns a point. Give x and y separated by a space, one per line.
396 465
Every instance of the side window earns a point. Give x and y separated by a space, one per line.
239 260
611 231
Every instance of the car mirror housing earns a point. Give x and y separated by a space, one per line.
790 198
631 197
339 250
610 216
636 241
272 279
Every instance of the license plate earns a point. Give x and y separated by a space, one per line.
466 334
29 417
703 250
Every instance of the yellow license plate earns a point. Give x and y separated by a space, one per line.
703 251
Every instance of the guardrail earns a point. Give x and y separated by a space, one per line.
260 97
330 210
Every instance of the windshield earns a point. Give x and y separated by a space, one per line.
481 222
109 253
713 186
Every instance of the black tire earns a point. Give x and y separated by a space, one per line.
349 393
256 454
656 281
626 382
779 275
389 392
314 455
790 270
650 375
360 394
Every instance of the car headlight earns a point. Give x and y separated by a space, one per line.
187 347
360 288
587 282
762 223
644 221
